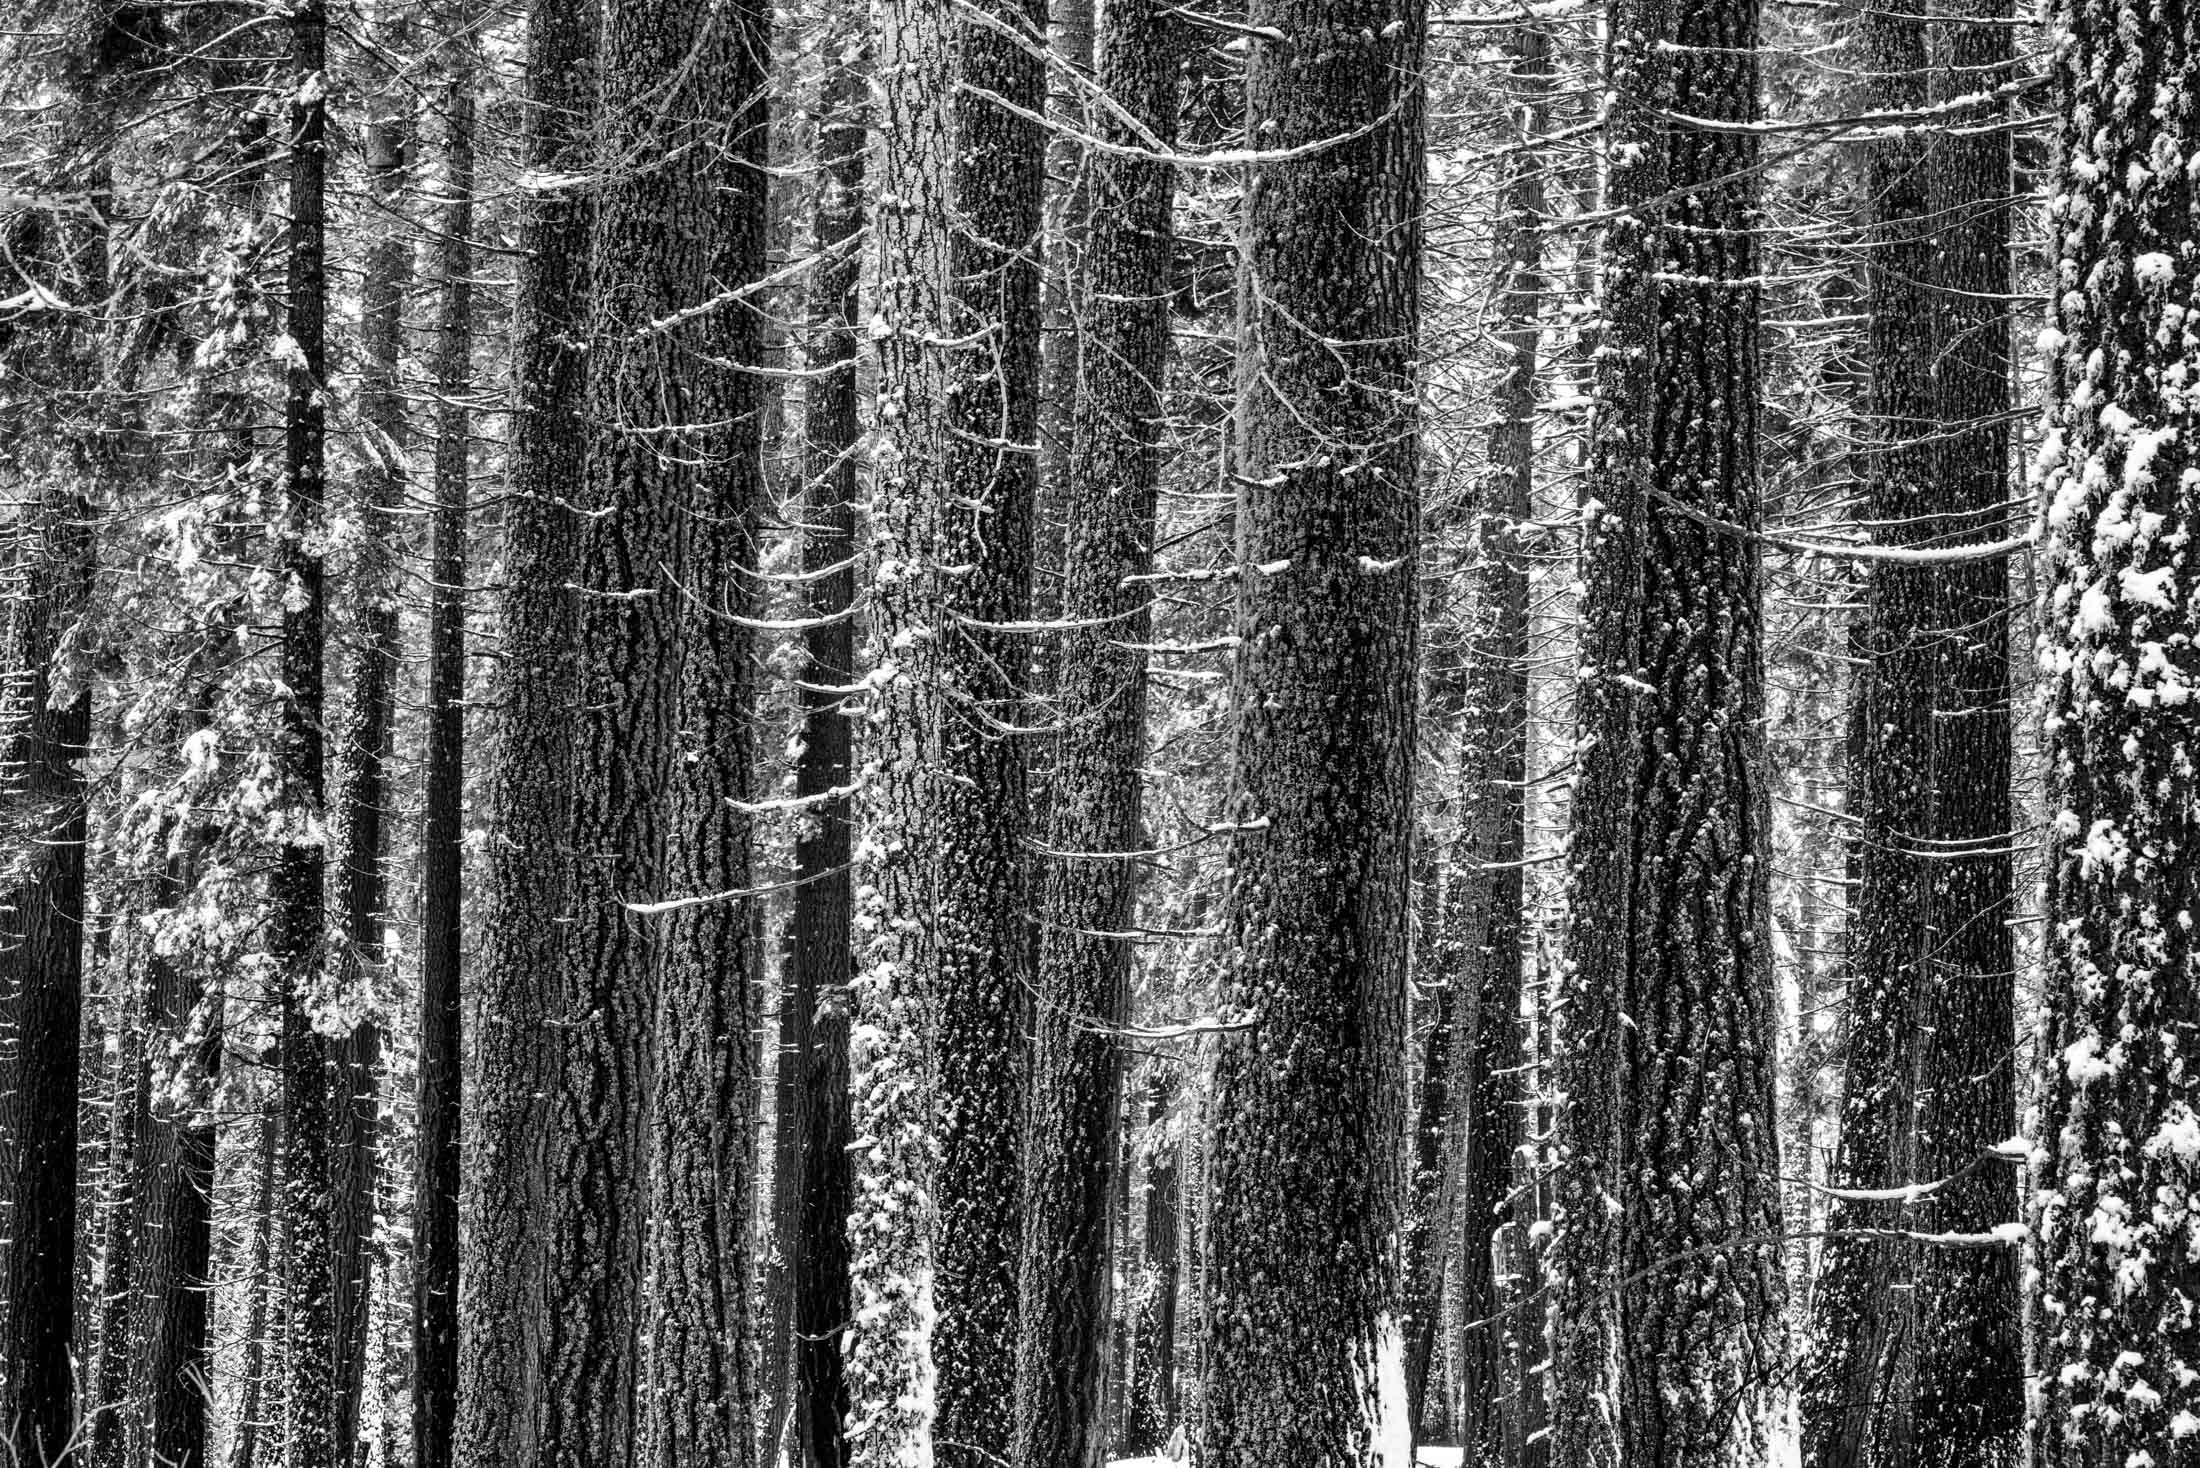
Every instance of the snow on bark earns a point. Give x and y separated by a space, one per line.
2117 1156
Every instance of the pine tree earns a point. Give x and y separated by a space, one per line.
437 1113
1303 1344
1668 1286
703 1405
2118 1149
945 948
297 919
820 957
1095 798
520 996
1914 1357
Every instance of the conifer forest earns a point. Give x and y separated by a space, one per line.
1062 733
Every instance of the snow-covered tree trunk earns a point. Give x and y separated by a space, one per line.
519 1001
1304 1360
1096 788
814 1002
944 940
364 752
1668 1288
2117 1155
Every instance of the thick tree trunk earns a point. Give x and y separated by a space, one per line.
296 921
820 959
945 968
2117 1155
363 779
521 1004
1090 892
1667 1273
436 1154
1914 1355
702 1406
1304 1345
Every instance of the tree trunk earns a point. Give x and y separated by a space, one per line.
1668 1283
1914 1355
48 560
252 1371
1304 1345
521 1003
946 961
363 766
2116 1154
1090 891
173 1195
295 939
814 1001
702 1410
437 1114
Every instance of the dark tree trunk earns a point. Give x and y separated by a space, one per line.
1914 1356
437 1113
521 1003
1667 1273
296 918
1090 892
47 565
945 975
2116 1157
1304 1345
702 1406
363 767
820 960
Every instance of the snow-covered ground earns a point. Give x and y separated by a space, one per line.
1428 1458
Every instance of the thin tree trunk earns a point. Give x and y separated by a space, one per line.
363 770
1668 1284
820 960
521 1001
1089 895
2116 1160
295 939
253 1370
436 1156
1304 1344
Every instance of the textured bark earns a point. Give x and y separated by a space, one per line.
253 1369
107 1424
946 951
521 999
820 959
1307 1144
47 565
1914 1355
701 1409
1668 1287
436 1156
296 916
363 778
1089 895
2116 1161
170 1270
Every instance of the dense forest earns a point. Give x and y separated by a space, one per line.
1262 733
